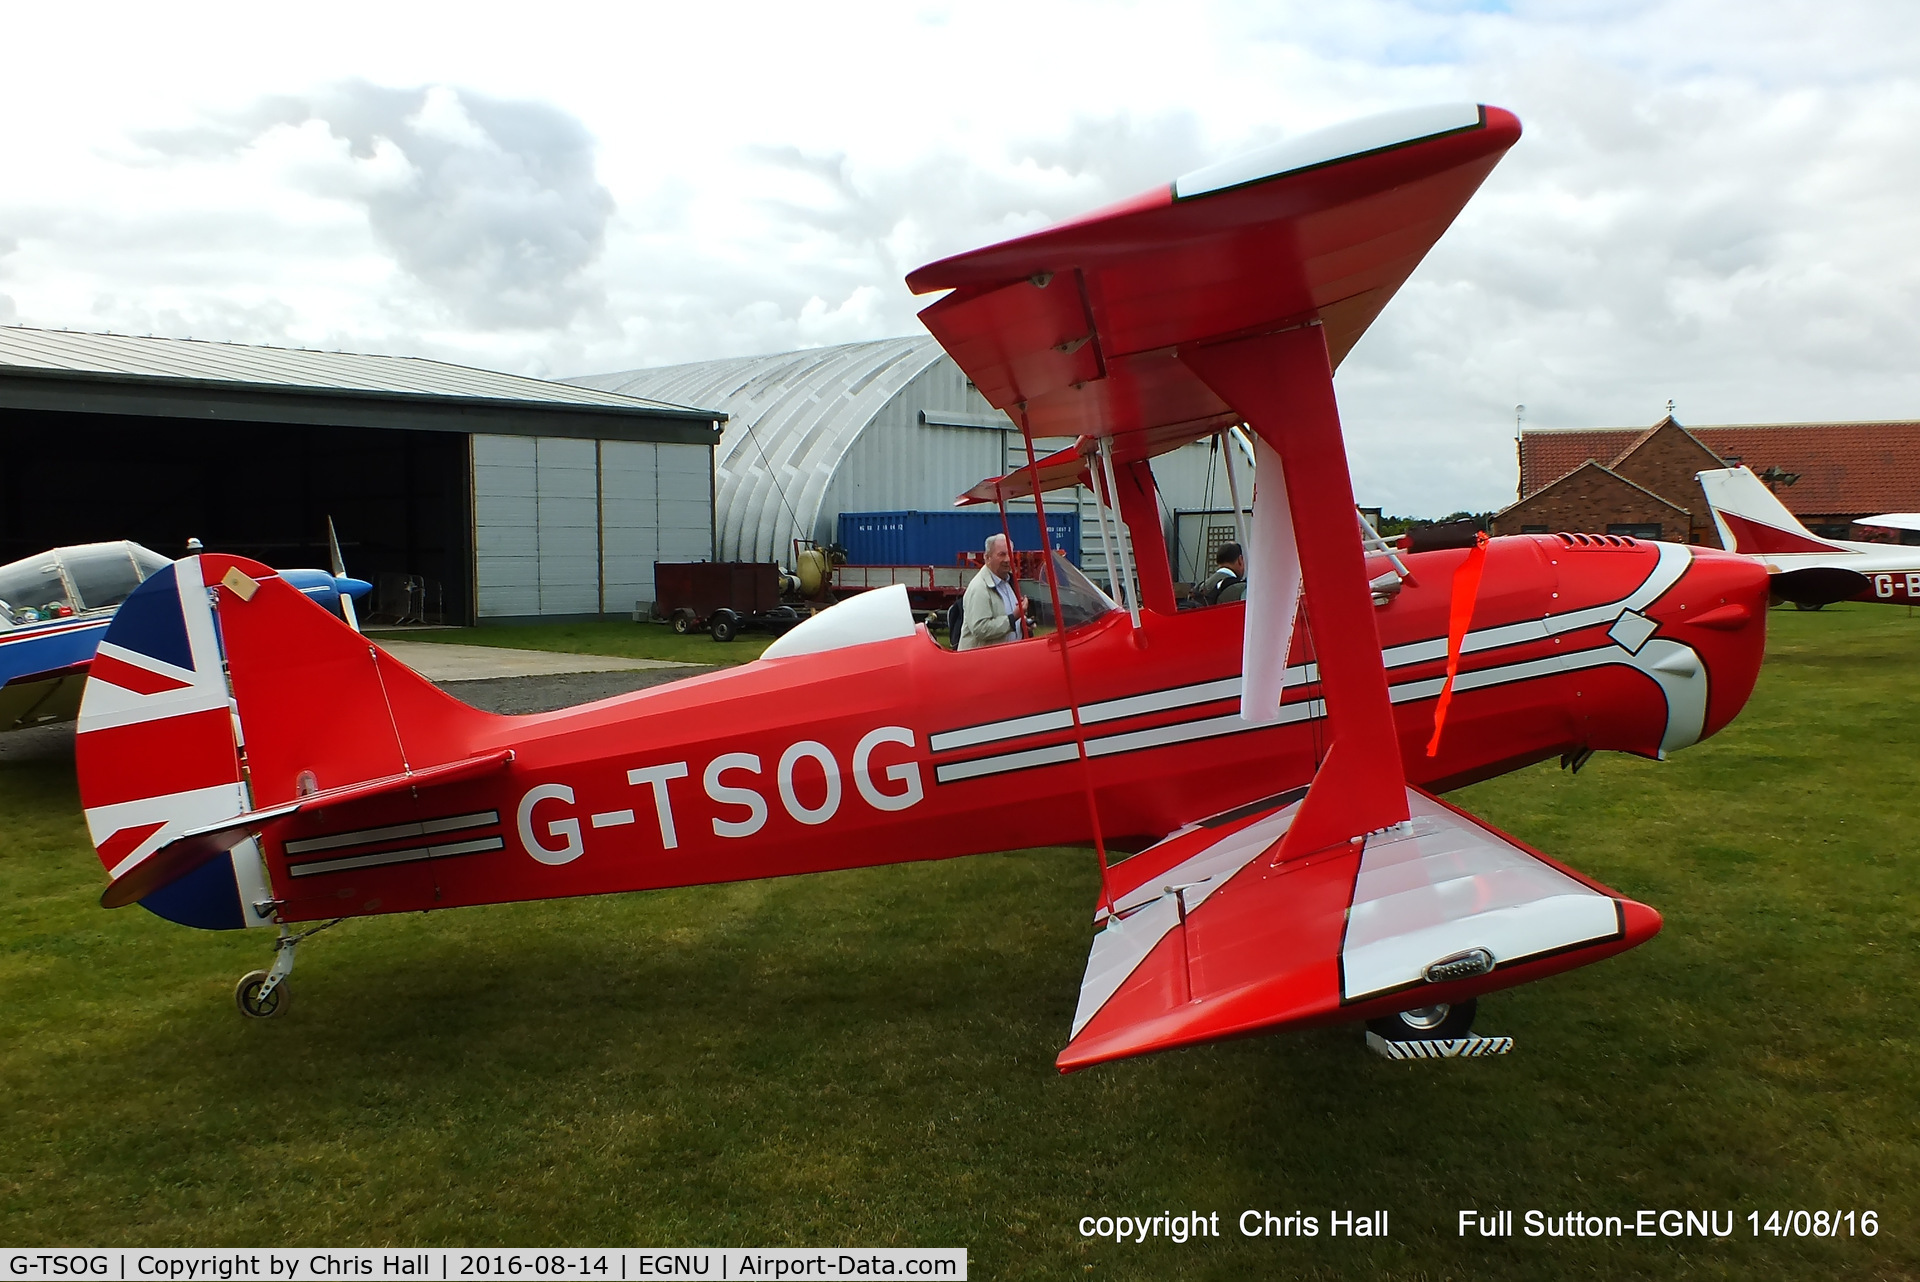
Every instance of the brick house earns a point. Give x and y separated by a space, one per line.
1644 488
1605 480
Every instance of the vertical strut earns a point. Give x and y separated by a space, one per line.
1066 668
1282 384
1233 488
1126 559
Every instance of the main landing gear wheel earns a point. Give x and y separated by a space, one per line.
246 995
1808 605
1437 1023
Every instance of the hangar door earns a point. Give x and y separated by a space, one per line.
564 525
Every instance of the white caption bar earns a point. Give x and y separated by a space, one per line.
569 1264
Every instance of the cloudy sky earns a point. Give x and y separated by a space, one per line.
1716 202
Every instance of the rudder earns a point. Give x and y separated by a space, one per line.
171 739
1752 519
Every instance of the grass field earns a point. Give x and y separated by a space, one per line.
598 636
866 1057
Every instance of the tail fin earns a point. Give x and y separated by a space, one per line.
308 703
1752 520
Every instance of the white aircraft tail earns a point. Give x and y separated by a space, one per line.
1752 520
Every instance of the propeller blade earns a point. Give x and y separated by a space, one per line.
1466 591
333 550
347 610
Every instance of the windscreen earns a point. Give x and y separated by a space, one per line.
1080 601
149 561
103 574
32 590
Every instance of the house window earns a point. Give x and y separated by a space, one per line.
1636 529
1829 531
1533 529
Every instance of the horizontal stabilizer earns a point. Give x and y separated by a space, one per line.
1213 937
195 847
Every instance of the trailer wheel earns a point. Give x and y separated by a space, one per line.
682 621
724 625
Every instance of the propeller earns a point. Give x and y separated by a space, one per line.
1466 590
338 567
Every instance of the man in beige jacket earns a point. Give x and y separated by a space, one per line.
993 610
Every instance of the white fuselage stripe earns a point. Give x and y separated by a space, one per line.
411 855
1304 710
365 836
1672 564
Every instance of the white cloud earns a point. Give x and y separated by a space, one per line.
1713 201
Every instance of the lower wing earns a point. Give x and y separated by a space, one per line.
1212 937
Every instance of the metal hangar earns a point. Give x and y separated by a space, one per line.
508 496
887 425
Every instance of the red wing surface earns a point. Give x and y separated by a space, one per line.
1078 324
1213 936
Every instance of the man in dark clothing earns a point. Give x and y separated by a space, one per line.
1229 581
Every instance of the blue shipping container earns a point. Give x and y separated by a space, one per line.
938 538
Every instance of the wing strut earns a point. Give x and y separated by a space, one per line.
1282 383
1116 583
1226 442
1109 497
1066 662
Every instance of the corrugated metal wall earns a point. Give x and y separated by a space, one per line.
855 429
570 526
655 506
898 462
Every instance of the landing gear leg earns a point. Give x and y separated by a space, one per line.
263 994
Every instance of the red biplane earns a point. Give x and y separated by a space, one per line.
1277 758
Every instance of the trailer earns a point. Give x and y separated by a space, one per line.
721 598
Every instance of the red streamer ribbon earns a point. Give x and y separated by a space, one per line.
1466 590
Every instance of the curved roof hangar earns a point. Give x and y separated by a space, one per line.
792 419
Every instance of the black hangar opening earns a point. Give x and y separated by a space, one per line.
252 449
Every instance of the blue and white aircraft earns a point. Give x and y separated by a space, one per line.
55 607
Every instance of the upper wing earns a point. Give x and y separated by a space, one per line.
1076 326
1213 936
1068 467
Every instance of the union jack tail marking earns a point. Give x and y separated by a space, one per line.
156 749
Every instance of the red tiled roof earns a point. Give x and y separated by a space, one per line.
1858 468
1548 455
1845 468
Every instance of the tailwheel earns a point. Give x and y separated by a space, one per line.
262 994
249 997
1437 1023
